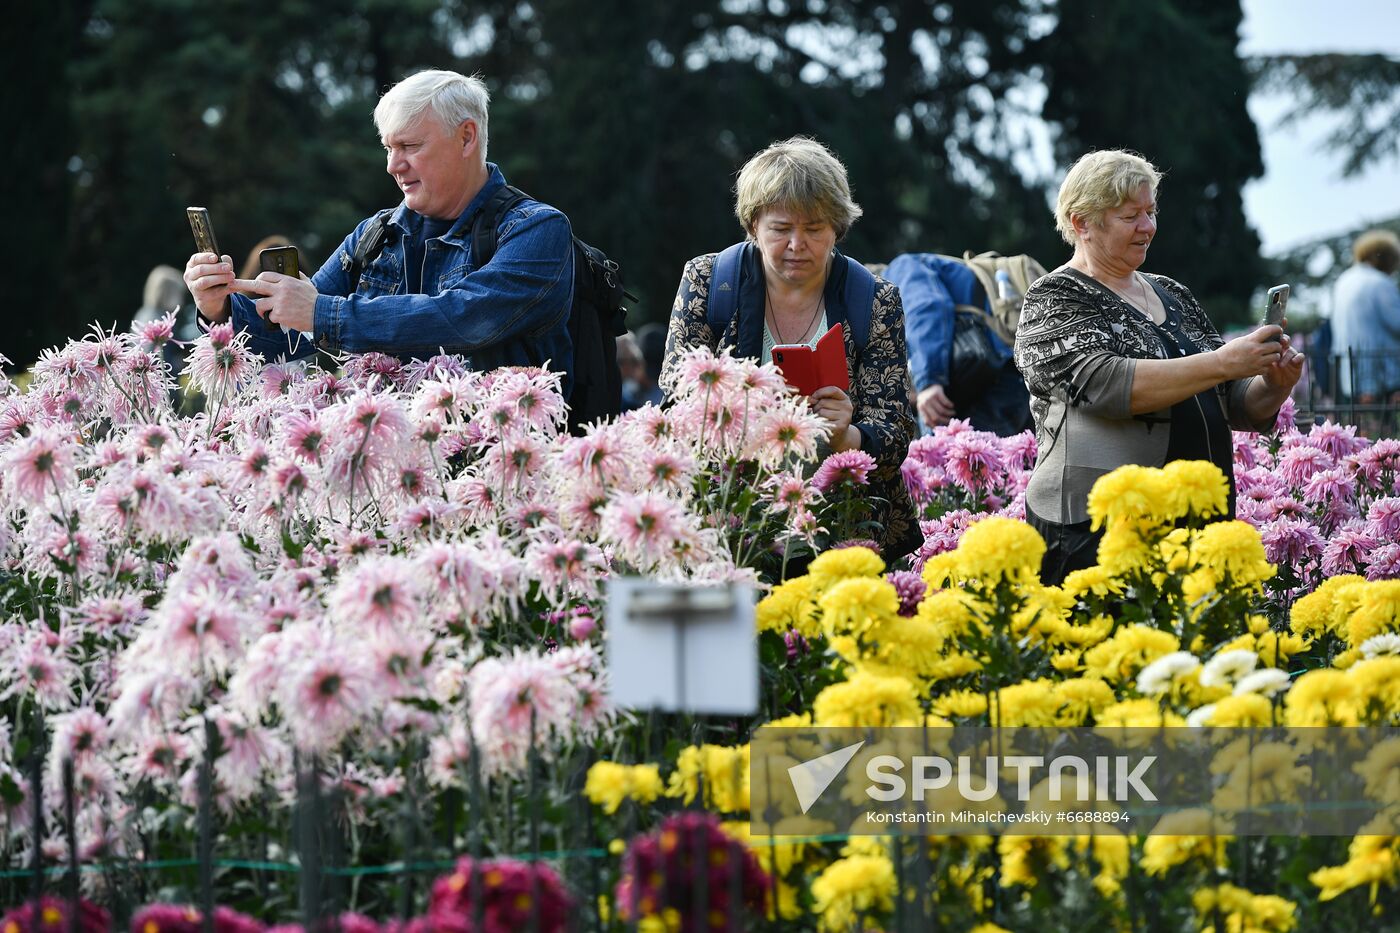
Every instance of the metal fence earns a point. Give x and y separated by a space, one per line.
1325 391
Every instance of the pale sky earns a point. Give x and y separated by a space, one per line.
1302 194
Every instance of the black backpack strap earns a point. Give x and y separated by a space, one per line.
488 221
367 249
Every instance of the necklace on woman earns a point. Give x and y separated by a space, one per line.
773 316
1146 306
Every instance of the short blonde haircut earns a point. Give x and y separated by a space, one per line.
800 175
1379 248
1099 182
454 98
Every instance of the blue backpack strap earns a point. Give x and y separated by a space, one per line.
724 288
860 298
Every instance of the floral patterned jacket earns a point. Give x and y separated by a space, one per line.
882 413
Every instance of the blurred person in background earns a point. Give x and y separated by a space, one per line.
165 292
1366 320
1125 367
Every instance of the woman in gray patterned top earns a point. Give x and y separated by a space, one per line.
1125 367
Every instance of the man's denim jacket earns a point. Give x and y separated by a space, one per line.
513 311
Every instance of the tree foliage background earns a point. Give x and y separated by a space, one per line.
633 118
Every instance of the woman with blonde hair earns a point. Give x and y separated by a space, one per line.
787 283
1125 367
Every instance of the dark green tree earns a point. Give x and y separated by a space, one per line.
1163 78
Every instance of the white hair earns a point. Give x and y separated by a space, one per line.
453 98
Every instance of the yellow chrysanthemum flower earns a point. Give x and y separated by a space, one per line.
853 605
867 699
961 704
1373 859
789 605
1233 548
1195 487
1248 710
1026 859
1130 492
850 889
948 613
1123 550
1377 684
1244 912
832 567
998 548
1030 703
1119 659
940 571
1133 714
1377 610
1095 581
1317 612
1185 836
1321 698
1080 698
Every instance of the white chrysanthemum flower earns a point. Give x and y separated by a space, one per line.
1269 682
1227 667
1198 717
1156 678
1379 645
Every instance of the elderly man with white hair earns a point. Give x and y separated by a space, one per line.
424 291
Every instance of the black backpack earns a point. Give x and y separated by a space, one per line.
596 318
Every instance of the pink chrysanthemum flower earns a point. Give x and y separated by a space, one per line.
155 334
1298 464
1329 486
375 371
1383 518
791 492
1291 541
851 467
160 756
566 565
785 431
40 464
703 373
1385 563
304 436
78 734
220 361
910 588
666 469
1338 440
974 461
380 592
1348 550
325 697
644 526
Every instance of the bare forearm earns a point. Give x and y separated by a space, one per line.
1263 400
1159 384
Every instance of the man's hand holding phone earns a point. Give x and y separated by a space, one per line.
209 278
282 299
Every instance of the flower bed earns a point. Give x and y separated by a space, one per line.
296 653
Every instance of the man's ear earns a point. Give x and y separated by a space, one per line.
467 135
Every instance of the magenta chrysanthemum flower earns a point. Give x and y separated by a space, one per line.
974 461
1291 541
1384 519
1385 563
51 915
910 588
1339 441
851 467
507 895
1329 486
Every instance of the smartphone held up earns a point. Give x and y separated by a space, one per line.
1276 305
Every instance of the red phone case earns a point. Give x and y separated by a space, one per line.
808 369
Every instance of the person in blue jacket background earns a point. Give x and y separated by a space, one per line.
932 286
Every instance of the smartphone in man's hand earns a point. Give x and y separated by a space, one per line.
283 259
203 231
1276 305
